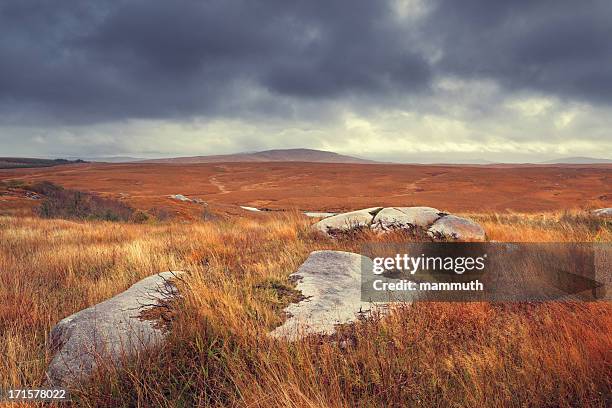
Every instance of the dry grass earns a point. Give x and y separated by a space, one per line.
567 226
218 353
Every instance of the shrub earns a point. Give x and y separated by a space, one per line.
72 204
160 214
140 217
13 183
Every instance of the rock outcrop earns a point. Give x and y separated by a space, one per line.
110 330
330 282
393 218
453 227
180 197
603 212
347 221
437 224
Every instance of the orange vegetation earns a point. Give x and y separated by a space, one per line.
336 187
218 353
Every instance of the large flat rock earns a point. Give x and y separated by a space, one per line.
347 221
109 330
393 218
457 228
330 282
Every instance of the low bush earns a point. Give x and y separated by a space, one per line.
12 183
140 217
64 203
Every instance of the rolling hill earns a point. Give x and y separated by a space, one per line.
578 160
277 155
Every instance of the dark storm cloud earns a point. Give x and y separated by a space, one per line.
113 60
559 47
89 62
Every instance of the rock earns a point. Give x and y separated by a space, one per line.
180 197
603 212
32 196
315 214
437 224
250 208
393 218
109 330
346 221
453 227
330 282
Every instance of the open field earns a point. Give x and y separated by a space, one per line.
336 187
219 354
277 204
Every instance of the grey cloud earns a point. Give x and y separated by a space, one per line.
143 59
68 69
78 62
557 47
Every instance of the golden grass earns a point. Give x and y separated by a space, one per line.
218 354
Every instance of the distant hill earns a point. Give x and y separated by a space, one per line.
113 159
24 162
577 160
278 155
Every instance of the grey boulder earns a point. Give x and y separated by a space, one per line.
109 330
330 282
393 218
457 228
347 221
437 224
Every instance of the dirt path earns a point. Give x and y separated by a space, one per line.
222 190
414 187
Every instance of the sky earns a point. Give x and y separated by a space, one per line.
400 80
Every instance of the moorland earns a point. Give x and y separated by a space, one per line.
238 262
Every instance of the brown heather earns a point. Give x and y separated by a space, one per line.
218 354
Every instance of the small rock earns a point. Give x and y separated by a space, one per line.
180 197
109 330
32 196
453 227
603 212
393 218
347 221
330 282
250 208
315 214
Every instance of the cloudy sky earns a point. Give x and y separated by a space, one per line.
402 80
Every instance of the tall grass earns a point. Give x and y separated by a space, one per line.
218 353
